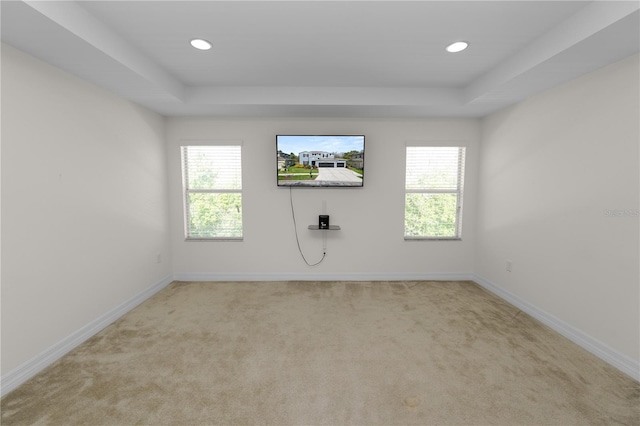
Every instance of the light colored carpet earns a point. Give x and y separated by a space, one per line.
326 353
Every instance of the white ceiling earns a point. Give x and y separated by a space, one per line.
325 58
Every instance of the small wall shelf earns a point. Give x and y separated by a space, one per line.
331 228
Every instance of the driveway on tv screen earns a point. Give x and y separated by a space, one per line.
337 175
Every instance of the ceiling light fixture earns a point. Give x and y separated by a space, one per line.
201 44
458 46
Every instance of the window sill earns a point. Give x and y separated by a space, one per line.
432 239
213 239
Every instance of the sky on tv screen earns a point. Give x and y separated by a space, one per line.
296 144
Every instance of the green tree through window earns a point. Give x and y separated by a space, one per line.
212 180
433 192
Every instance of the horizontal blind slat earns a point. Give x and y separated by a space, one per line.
213 167
432 167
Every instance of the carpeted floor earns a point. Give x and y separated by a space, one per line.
326 353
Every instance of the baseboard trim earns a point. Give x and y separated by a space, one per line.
24 372
436 276
596 347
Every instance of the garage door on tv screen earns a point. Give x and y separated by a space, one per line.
320 161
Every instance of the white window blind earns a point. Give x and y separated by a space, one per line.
212 182
433 192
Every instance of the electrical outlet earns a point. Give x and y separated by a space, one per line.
159 258
509 265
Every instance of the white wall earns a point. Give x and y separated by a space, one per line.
370 244
90 191
84 204
551 168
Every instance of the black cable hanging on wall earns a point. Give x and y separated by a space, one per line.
295 227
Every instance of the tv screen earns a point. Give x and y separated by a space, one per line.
318 161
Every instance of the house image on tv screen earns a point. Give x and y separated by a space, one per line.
321 159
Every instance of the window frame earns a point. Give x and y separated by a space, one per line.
459 191
186 191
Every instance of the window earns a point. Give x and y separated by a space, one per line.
212 182
433 192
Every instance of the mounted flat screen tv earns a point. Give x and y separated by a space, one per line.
320 161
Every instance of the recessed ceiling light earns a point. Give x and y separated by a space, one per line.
201 44
458 46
